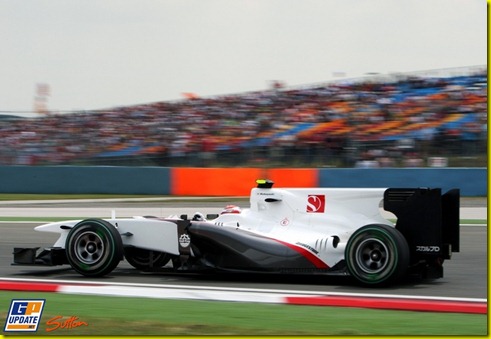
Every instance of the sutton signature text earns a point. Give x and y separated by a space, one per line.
69 323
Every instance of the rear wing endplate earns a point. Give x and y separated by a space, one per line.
429 221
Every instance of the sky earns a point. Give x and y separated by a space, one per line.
96 54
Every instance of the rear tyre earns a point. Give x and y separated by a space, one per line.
145 260
377 255
94 247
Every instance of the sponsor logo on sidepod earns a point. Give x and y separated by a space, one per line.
316 203
184 240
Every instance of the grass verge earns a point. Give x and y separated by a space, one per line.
141 316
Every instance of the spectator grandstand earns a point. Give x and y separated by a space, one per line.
397 121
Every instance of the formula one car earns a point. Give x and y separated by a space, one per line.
331 231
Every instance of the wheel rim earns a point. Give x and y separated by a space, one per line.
372 256
88 247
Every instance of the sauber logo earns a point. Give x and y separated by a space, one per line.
316 203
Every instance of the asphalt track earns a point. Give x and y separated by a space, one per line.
466 274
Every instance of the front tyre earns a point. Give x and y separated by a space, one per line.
94 247
145 260
377 254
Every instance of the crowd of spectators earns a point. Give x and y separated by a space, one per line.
365 123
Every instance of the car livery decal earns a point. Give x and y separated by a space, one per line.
318 263
316 203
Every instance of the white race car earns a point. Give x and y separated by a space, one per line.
331 231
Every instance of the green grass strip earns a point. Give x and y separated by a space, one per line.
141 316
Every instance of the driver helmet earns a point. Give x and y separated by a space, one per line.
231 209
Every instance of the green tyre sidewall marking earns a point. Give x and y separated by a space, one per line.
110 239
376 232
393 255
110 257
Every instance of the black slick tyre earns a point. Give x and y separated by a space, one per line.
377 255
94 247
145 260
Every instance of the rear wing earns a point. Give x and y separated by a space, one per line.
429 221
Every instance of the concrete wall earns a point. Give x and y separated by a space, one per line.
80 180
232 181
471 181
